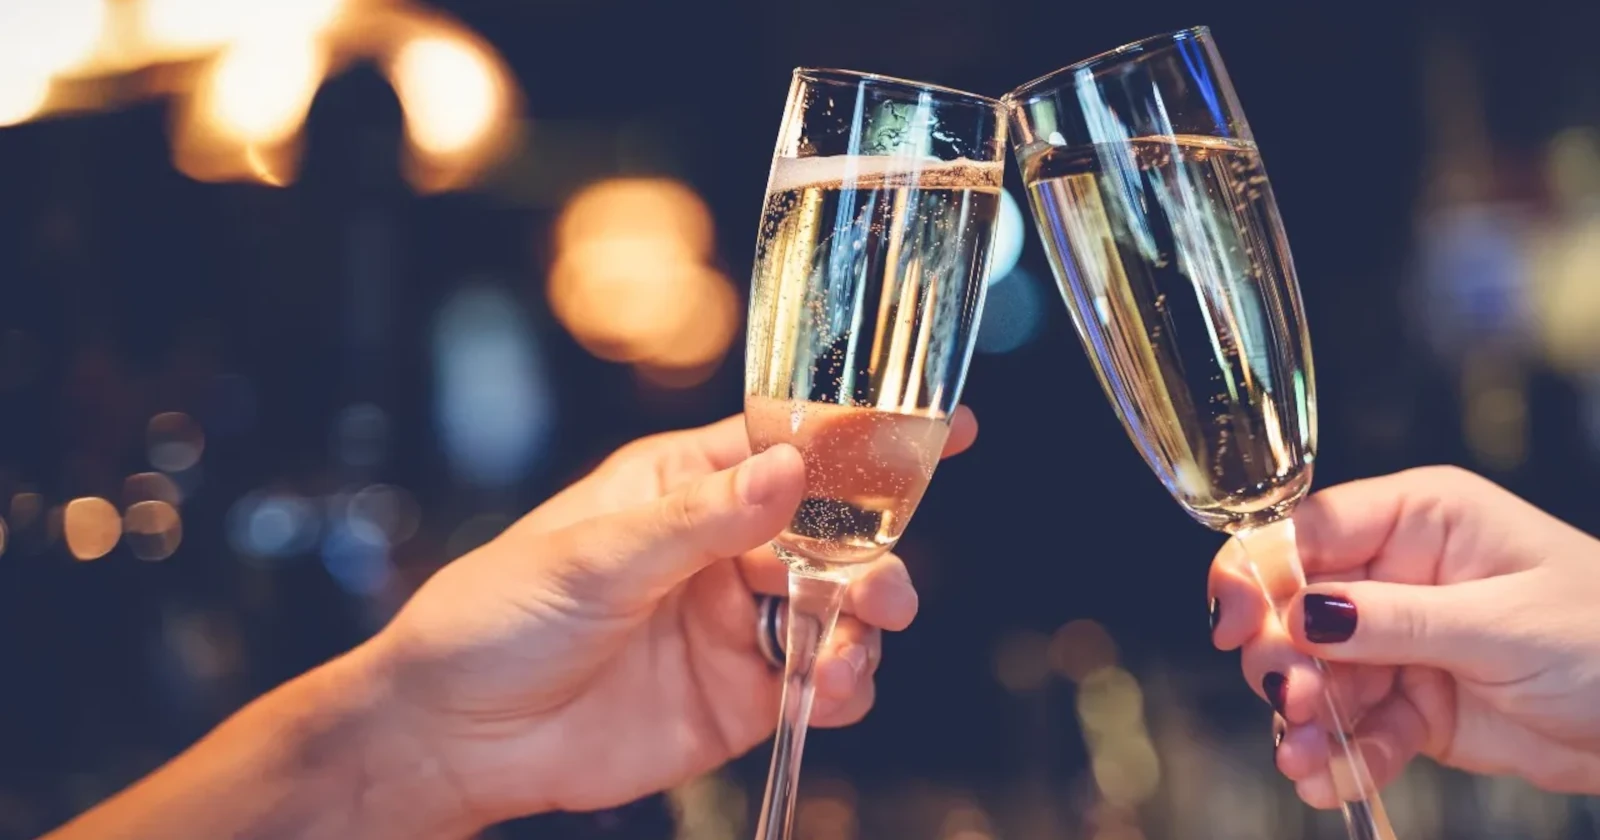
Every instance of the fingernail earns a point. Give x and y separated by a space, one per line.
755 482
1216 614
1276 687
856 655
1329 619
1278 728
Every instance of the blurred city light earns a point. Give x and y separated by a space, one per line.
711 807
356 554
261 88
21 96
391 510
174 442
265 527
1009 231
149 487
493 402
39 40
1080 648
1013 313
450 93
631 283
153 530
91 527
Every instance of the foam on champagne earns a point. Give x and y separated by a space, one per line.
871 172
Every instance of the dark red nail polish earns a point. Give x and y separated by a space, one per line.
1276 687
1329 619
1216 614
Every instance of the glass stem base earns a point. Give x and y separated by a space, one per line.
814 603
1274 559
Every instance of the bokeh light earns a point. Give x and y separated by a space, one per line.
1009 231
153 529
91 527
658 210
174 442
1013 313
42 39
1080 648
356 555
392 510
149 487
265 527
22 96
450 92
261 88
493 404
5 536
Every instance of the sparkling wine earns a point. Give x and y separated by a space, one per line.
866 470
1176 268
863 310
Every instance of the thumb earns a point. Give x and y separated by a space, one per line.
634 557
1454 627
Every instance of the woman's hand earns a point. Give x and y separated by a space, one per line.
1463 626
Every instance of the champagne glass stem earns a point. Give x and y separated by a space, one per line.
1274 560
814 603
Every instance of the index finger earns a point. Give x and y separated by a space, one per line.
1404 525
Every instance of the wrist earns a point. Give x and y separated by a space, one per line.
383 777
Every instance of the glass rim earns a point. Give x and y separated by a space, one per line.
1030 88
836 76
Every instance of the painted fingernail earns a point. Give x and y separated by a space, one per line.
1276 687
1329 619
1216 614
856 655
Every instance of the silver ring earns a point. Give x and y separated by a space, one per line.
770 614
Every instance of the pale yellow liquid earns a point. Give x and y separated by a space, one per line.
1177 272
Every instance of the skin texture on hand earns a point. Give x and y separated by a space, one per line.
601 649
1459 622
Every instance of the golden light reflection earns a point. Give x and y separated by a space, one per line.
22 97
631 283
91 527
150 487
40 40
261 88
1079 648
449 92
248 70
711 807
174 441
154 530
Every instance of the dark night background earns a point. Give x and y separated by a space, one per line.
128 289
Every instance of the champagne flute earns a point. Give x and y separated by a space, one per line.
871 266
1161 228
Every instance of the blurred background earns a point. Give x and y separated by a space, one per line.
300 299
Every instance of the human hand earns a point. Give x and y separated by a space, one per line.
1460 623
604 646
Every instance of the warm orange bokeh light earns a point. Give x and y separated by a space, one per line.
623 298
154 530
176 26
450 93
22 97
91 526
260 89
658 209
42 39
149 487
